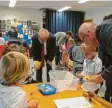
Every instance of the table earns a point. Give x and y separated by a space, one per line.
47 101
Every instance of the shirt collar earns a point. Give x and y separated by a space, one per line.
93 60
40 40
95 57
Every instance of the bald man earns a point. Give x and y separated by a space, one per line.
43 49
92 35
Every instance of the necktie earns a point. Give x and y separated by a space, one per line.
42 55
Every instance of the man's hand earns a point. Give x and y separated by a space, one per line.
37 65
62 47
98 73
38 68
96 79
49 62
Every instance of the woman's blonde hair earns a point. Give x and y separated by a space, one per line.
87 49
71 41
15 67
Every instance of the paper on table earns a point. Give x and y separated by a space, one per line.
79 102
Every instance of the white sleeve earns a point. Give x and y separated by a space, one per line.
20 101
3 41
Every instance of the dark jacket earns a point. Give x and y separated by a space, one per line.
51 47
37 47
13 35
104 36
104 56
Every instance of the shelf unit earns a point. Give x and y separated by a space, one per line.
43 18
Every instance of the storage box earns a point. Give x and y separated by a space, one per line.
63 80
46 89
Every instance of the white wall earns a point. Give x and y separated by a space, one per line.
22 14
98 14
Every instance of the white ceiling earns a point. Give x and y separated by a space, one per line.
57 4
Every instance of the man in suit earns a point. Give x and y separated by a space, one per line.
43 49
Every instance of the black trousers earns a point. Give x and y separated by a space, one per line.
39 73
107 96
57 57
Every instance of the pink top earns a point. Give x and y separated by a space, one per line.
67 45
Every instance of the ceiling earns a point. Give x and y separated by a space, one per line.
57 4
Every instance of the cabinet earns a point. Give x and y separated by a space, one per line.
43 18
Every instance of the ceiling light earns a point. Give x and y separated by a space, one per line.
65 8
12 3
83 1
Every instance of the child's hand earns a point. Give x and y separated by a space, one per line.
79 75
33 104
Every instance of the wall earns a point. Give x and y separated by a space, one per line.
22 14
98 14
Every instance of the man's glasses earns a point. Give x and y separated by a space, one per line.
84 37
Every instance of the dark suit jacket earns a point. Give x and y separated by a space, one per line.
51 47
12 34
37 46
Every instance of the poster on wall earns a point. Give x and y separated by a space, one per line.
26 29
14 22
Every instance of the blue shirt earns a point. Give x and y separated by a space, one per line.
91 67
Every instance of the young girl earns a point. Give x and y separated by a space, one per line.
92 64
15 68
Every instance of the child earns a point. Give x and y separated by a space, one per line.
77 56
92 63
14 68
9 48
24 51
66 53
12 47
72 44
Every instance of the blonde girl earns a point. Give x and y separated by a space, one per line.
14 67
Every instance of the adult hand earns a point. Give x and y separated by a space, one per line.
38 68
49 62
37 65
62 47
